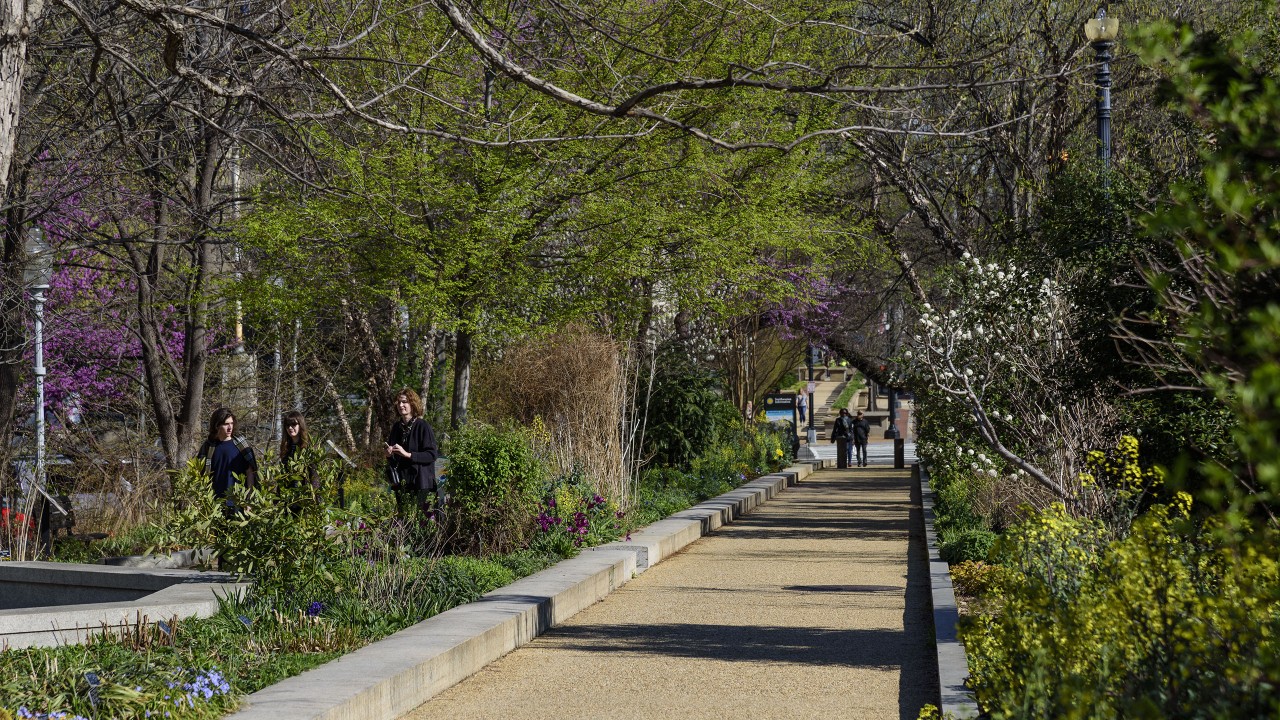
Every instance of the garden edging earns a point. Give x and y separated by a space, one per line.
953 665
392 676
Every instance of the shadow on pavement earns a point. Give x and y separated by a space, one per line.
792 528
807 646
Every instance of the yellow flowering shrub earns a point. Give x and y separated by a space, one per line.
1114 486
975 578
1161 623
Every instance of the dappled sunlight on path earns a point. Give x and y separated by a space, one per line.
814 606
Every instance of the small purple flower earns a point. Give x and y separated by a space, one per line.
315 608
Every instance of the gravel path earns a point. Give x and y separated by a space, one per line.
814 606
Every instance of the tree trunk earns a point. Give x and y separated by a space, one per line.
16 19
461 379
379 365
155 360
11 325
427 346
179 430
196 350
332 391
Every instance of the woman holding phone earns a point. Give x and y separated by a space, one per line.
411 453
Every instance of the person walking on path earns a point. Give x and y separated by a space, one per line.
861 431
802 404
843 430
412 453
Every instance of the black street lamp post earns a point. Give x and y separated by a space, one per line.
1101 32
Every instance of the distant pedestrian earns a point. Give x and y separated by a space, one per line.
411 454
843 430
228 457
802 404
293 442
861 431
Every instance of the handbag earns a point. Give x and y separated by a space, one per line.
396 477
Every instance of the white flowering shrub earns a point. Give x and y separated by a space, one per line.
995 349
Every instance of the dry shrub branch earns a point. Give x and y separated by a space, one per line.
573 381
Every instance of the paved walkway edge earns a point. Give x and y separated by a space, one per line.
388 678
953 665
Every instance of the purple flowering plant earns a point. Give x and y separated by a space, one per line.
574 515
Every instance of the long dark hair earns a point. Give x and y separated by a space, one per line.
218 417
304 440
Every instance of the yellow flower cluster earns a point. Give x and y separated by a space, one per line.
1095 627
1119 472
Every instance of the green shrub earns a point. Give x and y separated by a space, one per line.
955 506
495 483
968 544
685 410
280 535
479 575
527 562
1166 622
661 492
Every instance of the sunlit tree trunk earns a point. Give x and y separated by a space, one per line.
461 379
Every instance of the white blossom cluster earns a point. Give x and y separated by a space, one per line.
978 461
991 344
991 322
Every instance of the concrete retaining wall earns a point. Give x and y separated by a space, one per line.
75 601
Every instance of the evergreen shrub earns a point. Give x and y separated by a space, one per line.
967 544
496 480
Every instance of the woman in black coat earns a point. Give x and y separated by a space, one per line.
411 453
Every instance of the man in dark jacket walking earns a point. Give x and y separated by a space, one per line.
861 430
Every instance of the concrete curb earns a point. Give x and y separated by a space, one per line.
388 678
953 666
